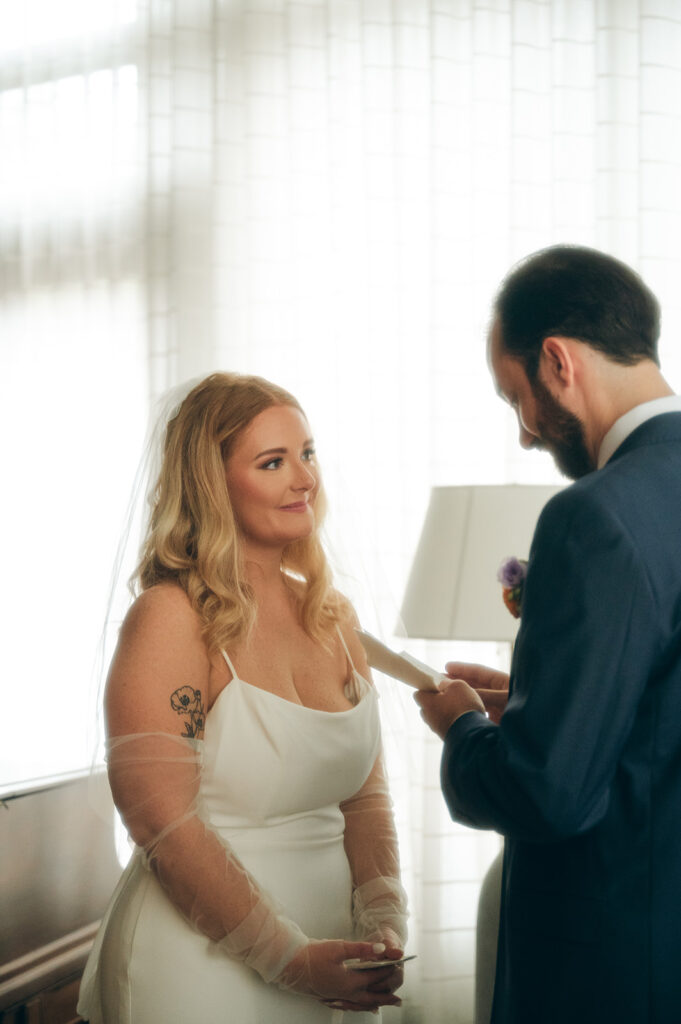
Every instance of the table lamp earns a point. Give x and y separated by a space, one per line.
453 592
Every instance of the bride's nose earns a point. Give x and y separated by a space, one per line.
305 480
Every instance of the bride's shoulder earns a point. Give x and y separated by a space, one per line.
163 609
348 623
347 616
160 653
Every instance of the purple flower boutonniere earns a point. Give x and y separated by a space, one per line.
511 575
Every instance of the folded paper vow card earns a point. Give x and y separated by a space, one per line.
400 666
371 965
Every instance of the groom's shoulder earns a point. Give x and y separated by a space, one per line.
583 509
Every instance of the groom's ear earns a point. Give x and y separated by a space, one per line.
557 363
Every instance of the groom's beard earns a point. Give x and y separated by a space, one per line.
562 434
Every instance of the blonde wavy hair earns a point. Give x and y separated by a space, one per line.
193 536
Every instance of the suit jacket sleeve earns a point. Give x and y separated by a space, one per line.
582 658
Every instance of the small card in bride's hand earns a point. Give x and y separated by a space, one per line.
400 666
371 965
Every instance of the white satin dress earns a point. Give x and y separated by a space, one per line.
273 775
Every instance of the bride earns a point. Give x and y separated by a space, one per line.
243 746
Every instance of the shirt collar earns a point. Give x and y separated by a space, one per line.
626 424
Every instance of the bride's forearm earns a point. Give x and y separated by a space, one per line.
372 851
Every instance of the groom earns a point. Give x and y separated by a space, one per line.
582 773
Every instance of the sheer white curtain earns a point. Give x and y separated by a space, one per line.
326 193
72 357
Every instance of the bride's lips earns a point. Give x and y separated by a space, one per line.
298 506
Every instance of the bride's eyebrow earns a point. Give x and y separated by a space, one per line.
272 451
307 443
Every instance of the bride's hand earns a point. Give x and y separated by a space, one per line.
393 951
318 969
391 941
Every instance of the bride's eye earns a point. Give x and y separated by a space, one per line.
272 463
309 454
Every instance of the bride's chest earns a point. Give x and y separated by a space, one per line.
292 666
264 756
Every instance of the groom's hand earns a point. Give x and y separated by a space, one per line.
440 710
489 683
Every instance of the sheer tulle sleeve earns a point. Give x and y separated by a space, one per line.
155 783
379 900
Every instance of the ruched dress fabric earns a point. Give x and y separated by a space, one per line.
272 776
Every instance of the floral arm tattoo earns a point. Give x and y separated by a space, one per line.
188 701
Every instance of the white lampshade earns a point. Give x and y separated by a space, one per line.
453 592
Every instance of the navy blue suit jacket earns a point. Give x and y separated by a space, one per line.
583 775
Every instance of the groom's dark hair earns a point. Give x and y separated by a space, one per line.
577 292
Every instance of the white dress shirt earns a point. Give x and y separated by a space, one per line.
626 424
